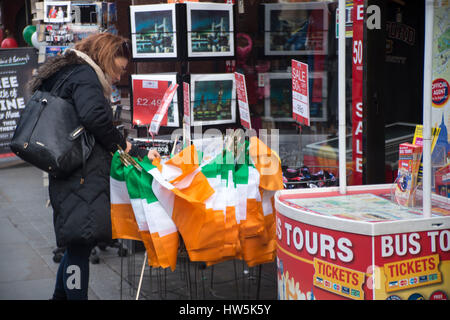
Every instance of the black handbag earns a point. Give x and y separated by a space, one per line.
49 134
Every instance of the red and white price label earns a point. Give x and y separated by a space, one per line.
186 104
162 109
244 110
300 96
187 114
147 97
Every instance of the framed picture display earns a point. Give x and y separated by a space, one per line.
57 11
210 30
86 13
213 99
295 28
278 96
154 31
147 93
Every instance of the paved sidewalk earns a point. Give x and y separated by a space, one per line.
28 272
27 269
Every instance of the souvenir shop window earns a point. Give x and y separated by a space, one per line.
154 31
210 30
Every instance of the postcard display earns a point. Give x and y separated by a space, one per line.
360 246
182 33
66 22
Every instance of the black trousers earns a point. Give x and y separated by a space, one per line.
72 278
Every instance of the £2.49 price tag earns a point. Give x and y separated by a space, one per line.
242 100
162 110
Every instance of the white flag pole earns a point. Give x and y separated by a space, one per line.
341 100
427 75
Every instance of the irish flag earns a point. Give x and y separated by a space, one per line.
222 209
154 225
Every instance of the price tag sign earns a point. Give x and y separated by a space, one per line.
242 100
300 96
147 97
162 110
187 115
186 104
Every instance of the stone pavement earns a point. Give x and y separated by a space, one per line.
28 272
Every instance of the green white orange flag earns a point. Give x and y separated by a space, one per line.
221 209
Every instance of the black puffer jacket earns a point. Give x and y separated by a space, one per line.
82 211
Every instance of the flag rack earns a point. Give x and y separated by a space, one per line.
193 280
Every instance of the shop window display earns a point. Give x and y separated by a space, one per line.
217 39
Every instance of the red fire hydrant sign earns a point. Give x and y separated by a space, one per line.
242 100
162 110
300 97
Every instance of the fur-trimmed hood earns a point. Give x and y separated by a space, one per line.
52 66
71 56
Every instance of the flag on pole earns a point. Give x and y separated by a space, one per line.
222 209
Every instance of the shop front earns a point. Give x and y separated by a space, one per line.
334 89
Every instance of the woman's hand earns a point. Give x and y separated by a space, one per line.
128 147
152 154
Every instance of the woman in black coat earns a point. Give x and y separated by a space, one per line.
81 202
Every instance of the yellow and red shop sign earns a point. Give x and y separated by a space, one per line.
339 280
411 273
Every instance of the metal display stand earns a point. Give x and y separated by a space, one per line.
192 280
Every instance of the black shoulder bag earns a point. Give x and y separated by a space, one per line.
49 134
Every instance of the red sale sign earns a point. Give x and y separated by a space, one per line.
147 97
300 97
357 91
161 113
242 100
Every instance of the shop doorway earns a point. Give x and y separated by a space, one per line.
393 86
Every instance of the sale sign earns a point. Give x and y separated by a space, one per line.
147 97
357 90
242 100
300 97
162 109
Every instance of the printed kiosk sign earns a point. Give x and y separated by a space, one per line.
326 264
16 68
413 265
316 263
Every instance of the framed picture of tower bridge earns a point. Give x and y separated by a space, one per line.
153 31
295 28
210 30
213 99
